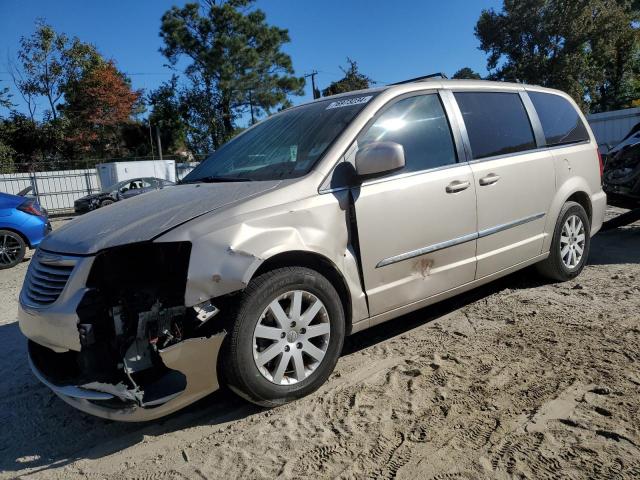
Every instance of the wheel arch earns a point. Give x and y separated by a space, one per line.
319 263
24 238
574 189
583 199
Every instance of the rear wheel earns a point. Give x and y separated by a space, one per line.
285 338
12 249
106 202
570 244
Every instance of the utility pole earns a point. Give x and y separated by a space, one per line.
159 144
313 83
253 120
151 142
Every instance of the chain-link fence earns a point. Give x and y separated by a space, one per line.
58 184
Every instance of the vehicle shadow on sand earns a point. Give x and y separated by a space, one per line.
621 245
41 431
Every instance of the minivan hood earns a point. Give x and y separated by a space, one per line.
145 217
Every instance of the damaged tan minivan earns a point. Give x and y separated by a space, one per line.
318 222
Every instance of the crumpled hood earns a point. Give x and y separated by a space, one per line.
147 216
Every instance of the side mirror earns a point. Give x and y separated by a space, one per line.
378 158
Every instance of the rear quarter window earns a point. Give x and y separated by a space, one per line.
560 121
497 123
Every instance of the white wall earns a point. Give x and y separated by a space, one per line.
112 173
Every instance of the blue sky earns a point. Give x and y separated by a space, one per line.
391 40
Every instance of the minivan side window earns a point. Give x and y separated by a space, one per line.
497 123
420 125
560 121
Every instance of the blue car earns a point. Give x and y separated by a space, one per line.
23 224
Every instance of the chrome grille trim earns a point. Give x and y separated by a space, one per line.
47 277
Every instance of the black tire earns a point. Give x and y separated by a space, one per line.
239 369
106 202
553 267
12 249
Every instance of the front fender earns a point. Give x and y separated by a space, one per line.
227 252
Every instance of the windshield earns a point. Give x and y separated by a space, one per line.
114 187
284 146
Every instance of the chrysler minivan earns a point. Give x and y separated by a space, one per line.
316 223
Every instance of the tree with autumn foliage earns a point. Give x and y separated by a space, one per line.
97 107
78 105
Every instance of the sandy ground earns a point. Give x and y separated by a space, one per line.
520 378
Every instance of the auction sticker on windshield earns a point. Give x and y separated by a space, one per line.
349 102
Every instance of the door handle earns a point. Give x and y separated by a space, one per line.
457 186
489 179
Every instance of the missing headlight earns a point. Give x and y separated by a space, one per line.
133 309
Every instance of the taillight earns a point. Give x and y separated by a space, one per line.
601 164
31 207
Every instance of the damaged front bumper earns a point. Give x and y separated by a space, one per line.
117 342
196 358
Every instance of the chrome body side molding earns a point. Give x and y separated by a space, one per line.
430 249
457 241
516 223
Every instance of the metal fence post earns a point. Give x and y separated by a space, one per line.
33 179
87 180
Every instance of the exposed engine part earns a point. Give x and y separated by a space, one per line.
155 328
138 357
116 314
134 324
205 311
160 325
87 335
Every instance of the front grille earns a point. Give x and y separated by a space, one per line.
46 278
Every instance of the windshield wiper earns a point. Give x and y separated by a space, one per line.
220 179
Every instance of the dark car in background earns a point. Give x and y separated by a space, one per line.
119 191
621 177
142 185
23 224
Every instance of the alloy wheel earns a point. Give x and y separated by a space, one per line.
572 241
291 337
10 248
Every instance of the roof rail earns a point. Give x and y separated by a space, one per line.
423 78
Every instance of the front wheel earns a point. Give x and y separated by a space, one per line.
285 338
569 246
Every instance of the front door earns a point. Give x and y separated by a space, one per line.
416 227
